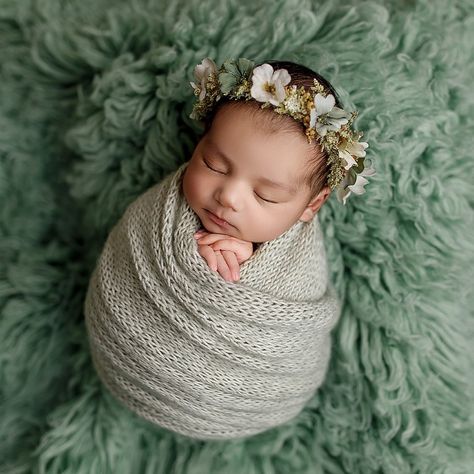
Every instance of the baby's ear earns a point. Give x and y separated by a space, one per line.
307 215
315 204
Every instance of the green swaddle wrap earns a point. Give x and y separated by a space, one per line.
192 352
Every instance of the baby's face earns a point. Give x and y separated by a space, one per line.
229 175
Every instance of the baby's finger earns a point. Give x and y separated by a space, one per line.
222 267
209 255
232 263
226 244
210 238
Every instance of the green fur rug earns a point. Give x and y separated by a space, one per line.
94 100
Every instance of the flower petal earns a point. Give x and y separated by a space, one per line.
335 124
209 65
262 73
337 113
357 148
312 118
358 186
279 92
321 128
348 158
282 76
260 94
368 171
324 104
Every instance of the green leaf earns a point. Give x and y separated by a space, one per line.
245 67
351 177
360 165
230 67
227 82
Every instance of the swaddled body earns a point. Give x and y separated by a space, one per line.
192 352
175 341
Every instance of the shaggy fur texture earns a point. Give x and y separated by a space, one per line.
94 100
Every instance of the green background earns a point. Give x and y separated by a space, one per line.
94 105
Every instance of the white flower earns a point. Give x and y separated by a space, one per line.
342 193
269 86
357 188
357 148
201 73
351 150
348 158
326 116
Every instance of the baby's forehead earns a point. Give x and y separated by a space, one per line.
287 151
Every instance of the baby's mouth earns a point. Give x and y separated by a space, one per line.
217 220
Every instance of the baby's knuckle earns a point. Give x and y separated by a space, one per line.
225 272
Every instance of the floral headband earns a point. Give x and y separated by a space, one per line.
330 125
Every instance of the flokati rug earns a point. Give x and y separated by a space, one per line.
95 99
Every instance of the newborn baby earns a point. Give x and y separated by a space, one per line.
248 183
184 347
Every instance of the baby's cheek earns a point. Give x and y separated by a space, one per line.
192 190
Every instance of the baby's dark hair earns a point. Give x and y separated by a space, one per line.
317 169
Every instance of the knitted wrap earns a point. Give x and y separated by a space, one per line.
196 354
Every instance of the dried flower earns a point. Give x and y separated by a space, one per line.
269 85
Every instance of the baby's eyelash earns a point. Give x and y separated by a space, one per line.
266 200
220 172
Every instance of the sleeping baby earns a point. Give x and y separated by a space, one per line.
253 174
172 335
248 185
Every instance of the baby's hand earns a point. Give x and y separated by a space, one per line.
224 253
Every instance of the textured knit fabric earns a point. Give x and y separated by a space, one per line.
192 352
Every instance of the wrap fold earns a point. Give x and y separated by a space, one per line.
193 353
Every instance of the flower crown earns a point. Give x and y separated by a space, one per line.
316 110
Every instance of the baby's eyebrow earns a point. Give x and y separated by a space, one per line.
286 187
275 184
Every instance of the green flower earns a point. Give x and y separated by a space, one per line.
233 73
